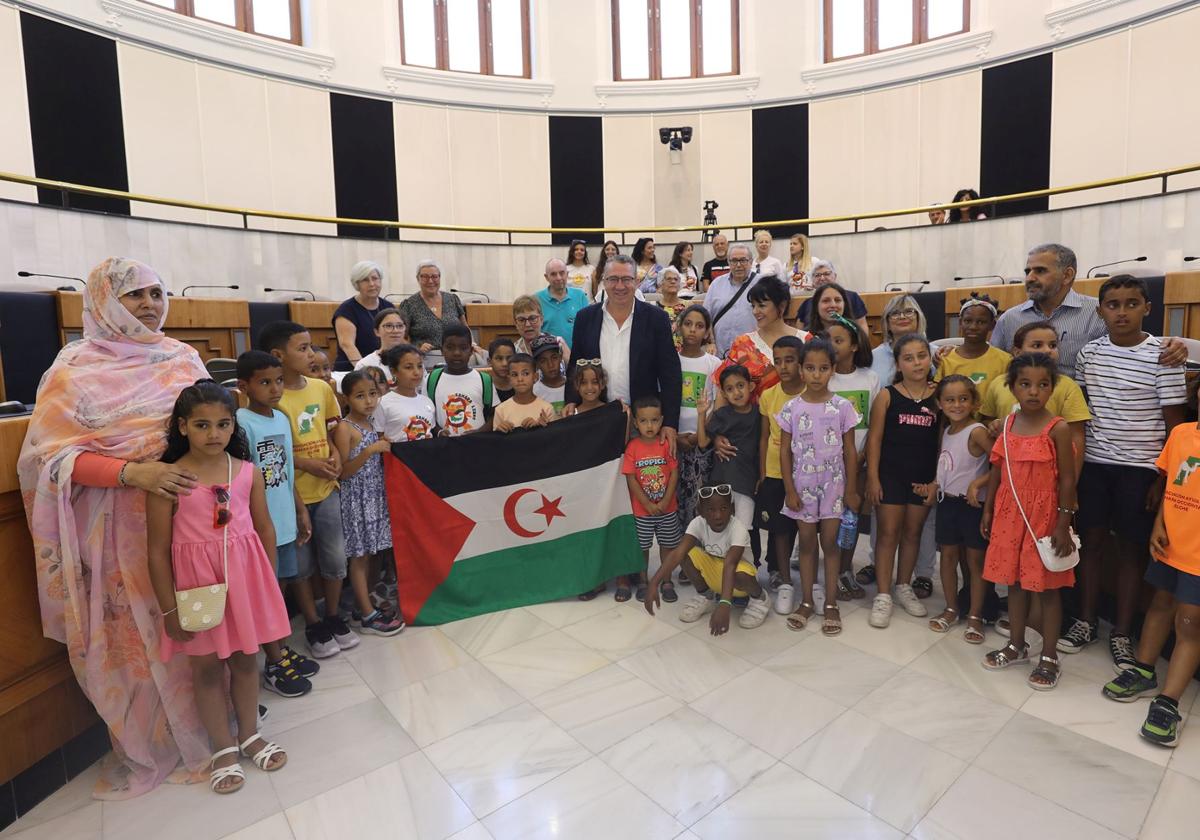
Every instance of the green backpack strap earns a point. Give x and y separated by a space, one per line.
432 381
487 390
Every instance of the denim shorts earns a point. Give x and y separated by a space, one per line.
285 561
1185 587
326 550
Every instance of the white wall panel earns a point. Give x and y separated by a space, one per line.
951 110
235 143
836 132
726 165
629 170
676 185
1088 138
301 162
891 156
475 171
161 113
423 167
16 149
524 148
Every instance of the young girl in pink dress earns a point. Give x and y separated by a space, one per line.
220 532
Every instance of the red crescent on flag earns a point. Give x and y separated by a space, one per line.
510 515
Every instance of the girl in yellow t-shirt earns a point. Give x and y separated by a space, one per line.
975 358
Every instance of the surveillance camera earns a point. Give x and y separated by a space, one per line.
686 131
676 145
664 135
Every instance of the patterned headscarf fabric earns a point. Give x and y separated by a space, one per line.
111 393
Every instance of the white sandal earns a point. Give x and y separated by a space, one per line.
220 774
263 756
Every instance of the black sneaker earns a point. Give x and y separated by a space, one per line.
1120 646
1131 684
1162 722
1080 635
343 636
300 663
284 681
320 641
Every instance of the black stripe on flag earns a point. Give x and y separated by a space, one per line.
451 466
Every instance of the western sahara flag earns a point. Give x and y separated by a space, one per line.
489 521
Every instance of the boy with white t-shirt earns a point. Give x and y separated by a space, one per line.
464 398
712 553
404 414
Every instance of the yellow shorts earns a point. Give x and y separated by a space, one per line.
712 569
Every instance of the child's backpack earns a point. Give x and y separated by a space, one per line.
436 374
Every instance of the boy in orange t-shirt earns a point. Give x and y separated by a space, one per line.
1174 572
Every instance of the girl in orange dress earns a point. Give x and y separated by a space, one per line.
1042 464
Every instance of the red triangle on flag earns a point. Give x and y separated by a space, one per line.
427 535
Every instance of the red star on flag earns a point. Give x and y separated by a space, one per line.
550 509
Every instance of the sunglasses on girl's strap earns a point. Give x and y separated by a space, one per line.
588 362
221 513
719 489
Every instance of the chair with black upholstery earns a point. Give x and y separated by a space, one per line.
29 341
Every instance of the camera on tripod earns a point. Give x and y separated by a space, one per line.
710 220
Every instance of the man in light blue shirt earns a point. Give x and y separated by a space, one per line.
739 319
559 304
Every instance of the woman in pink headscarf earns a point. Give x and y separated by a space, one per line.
91 455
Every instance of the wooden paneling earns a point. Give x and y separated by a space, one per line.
216 327
41 705
318 317
493 320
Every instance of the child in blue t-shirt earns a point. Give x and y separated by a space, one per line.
269 435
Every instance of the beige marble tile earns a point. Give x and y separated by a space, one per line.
588 802
570 610
875 767
772 713
757 645
783 804
841 673
449 702
955 662
191 810
404 659
406 798
504 757
493 632
687 764
620 632
901 642
1173 813
82 823
476 831
274 827
75 795
336 686
544 663
685 667
605 706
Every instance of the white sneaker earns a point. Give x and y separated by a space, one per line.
785 599
698 606
881 611
909 601
756 612
818 600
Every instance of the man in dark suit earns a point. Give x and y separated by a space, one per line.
633 341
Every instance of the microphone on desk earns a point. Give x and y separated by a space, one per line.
185 288
469 292
1118 262
311 296
898 286
981 277
1190 259
56 277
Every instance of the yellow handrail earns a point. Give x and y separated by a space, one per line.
245 212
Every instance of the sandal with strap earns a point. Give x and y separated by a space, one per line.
865 575
798 620
998 660
262 758
220 774
624 593
848 587
973 635
668 592
942 624
832 626
1042 678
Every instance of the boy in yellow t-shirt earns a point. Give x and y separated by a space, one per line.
975 359
1174 572
312 408
770 498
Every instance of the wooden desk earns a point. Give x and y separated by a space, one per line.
41 704
492 320
317 316
216 327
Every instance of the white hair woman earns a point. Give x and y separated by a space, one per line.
430 310
354 320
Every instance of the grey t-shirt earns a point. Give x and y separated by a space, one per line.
743 432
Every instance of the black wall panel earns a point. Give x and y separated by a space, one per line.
364 163
74 111
1014 154
576 176
780 166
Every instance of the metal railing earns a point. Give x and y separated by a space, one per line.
67 189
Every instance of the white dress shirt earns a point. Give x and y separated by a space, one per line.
614 354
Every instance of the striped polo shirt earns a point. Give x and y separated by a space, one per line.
1075 319
1127 389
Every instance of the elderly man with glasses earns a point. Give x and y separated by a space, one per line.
727 301
632 340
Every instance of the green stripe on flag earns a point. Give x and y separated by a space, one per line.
534 573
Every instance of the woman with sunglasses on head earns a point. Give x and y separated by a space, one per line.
220 534
579 270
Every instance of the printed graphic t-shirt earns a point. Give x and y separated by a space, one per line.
860 388
718 543
313 411
651 463
1180 461
555 396
991 366
697 375
270 440
401 419
459 402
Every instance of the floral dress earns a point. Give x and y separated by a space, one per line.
365 522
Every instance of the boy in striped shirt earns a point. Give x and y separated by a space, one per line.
1135 402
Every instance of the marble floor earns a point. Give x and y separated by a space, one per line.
595 720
